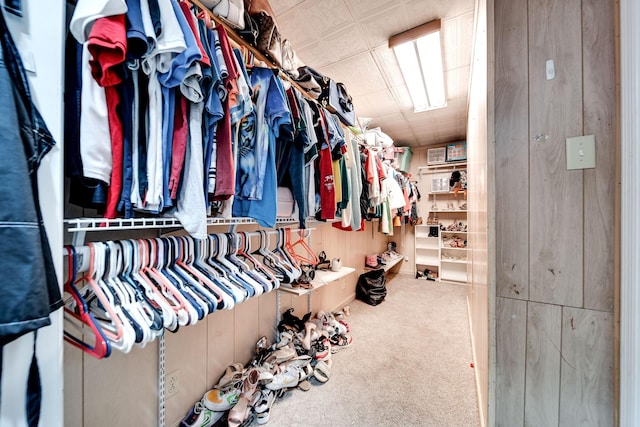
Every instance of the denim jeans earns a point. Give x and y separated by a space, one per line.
29 288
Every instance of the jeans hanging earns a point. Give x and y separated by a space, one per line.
30 289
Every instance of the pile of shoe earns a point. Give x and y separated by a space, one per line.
301 356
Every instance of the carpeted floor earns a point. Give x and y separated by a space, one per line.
409 365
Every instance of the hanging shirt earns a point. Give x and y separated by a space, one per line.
269 115
170 41
95 140
225 165
107 45
214 112
87 12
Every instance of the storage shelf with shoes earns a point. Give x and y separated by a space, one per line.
388 262
441 244
321 278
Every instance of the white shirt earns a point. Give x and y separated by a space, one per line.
95 138
89 11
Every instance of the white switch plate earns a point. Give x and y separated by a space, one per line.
550 69
581 152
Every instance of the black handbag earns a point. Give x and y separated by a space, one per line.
371 287
336 99
250 31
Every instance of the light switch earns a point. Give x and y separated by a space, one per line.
581 152
550 69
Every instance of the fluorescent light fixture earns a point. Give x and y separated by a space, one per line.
419 54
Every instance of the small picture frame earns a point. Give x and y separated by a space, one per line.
457 151
440 184
436 156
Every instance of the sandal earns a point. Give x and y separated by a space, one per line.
263 406
239 413
232 374
322 372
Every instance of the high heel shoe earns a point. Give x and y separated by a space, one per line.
309 328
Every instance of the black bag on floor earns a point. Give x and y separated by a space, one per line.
371 287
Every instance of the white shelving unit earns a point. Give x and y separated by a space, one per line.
427 247
448 209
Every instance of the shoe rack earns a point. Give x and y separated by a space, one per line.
441 243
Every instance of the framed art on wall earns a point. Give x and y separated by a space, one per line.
436 156
456 151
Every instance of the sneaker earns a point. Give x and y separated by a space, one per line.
286 379
340 342
199 416
222 399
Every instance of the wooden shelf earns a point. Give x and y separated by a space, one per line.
389 264
454 261
453 232
446 248
322 278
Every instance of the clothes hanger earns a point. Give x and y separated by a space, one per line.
309 257
274 260
219 284
287 258
169 292
150 312
115 298
125 298
233 242
244 250
249 275
101 347
232 272
101 301
140 256
193 280
194 305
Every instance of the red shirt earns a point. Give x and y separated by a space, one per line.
225 166
108 48
179 145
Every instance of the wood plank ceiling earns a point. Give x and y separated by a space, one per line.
347 41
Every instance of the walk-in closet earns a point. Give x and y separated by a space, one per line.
311 213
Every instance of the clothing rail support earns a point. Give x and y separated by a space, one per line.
78 238
161 393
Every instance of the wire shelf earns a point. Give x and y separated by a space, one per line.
75 225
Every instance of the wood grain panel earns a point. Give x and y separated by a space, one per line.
512 148
73 374
220 344
246 328
556 199
599 120
511 336
186 352
267 324
586 386
122 390
542 375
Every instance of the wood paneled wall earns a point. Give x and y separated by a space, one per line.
554 227
122 390
479 217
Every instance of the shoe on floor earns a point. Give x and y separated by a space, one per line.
285 379
199 416
222 399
